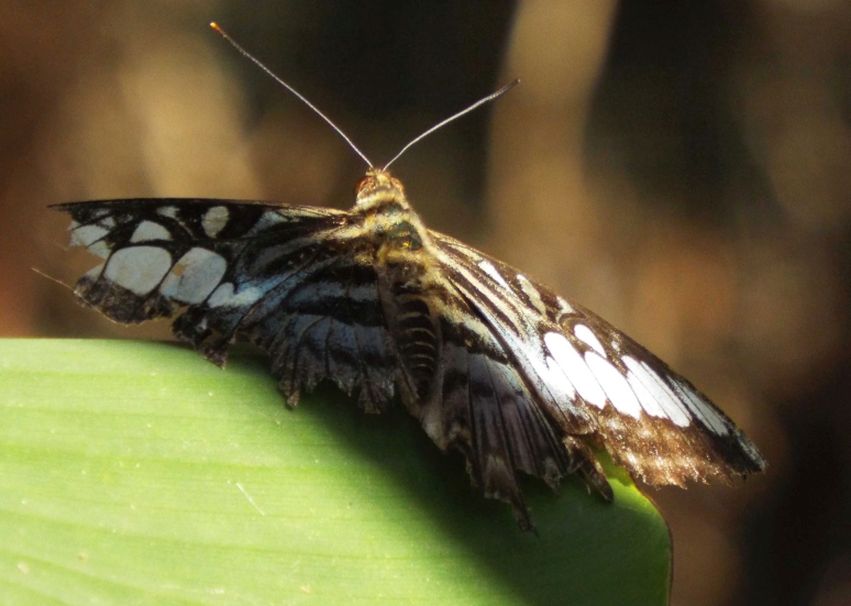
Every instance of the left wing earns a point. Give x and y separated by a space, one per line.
275 275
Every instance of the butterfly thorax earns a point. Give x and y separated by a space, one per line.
408 278
388 218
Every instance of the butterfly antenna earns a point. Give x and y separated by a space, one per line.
453 117
217 28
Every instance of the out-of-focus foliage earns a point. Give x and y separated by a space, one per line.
683 169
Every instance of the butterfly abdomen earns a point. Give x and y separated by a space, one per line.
415 333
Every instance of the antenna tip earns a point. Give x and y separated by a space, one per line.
215 27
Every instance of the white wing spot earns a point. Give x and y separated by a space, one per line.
614 384
224 296
657 389
532 293
168 211
138 268
195 276
584 334
90 236
84 235
148 230
648 402
569 360
214 220
564 306
267 219
488 267
94 273
556 380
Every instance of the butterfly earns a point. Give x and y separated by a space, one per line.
493 364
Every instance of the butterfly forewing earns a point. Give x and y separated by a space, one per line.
494 365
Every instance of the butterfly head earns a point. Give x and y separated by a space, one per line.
378 181
380 192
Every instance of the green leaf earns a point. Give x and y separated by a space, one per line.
134 472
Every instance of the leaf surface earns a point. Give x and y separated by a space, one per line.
136 472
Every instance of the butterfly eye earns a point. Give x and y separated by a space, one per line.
363 184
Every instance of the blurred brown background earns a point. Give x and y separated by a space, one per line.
681 168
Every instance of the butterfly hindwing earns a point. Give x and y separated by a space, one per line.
326 321
482 407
